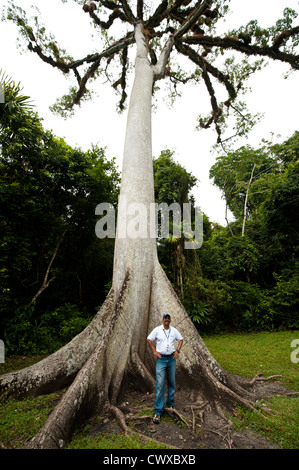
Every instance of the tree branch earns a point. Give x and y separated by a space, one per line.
158 15
284 36
193 17
237 45
47 282
48 59
203 63
128 12
216 111
246 199
110 51
122 80
141 42
160 67
140 9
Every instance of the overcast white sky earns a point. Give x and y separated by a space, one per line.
98 122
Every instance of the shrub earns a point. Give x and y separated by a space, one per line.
30 334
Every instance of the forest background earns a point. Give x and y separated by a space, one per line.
55 272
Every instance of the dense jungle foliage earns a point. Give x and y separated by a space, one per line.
55 272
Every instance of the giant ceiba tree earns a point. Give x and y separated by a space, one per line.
97 364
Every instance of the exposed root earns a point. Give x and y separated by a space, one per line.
142 370
122 420
121 417
173 412
259 378
59 369
86 391
98 370
222 415
201 406
140 418
193 420
227 437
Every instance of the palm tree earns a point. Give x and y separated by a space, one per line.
12 101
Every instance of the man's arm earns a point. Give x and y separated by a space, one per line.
153 349
176 352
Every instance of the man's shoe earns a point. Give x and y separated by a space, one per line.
156 419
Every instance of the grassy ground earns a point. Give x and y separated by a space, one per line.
269 353
246 355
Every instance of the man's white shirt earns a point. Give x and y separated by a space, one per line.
165 339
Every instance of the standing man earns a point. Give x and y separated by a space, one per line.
166 355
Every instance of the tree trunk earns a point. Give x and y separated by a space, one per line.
97 362
246 201
46 281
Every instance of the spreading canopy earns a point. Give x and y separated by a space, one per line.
186 27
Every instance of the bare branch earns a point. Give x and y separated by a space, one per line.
193 17
46 282
206 69
128 12
82 84
48 59
216 110
140 9
160 67
105 24
109 4
109 52
122 80
159 14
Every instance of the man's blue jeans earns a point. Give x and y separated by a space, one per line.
165 367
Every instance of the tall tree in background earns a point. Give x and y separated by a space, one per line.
173 185
97 361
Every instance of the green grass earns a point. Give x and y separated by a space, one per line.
269 353
20 420
248 354
281 425
16 363
241 354
112 441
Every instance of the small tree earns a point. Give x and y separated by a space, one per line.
97 361
12 101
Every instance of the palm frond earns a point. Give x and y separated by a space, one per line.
12 101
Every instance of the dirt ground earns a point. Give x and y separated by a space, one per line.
206 431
